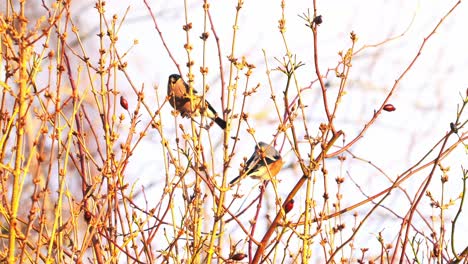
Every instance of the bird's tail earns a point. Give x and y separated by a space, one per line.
211 113
236 180
220 122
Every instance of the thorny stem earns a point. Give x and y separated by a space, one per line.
219 211
395 86
454 222
264 242
418 199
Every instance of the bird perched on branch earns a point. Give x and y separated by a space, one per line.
265 163
179 98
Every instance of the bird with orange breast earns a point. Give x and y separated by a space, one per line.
179 98
265 163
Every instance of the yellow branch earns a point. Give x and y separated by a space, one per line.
24 52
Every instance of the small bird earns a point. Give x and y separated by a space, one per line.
256 167
179 98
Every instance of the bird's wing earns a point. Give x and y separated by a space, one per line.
256 161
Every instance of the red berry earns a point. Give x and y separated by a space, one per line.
289 206
123 103
87 216
238 256
389 108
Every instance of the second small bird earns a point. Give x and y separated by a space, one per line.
257 168
179 98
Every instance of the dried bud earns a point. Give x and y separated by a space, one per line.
389 108
205 35
318 20
187 27
453 128
123 103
